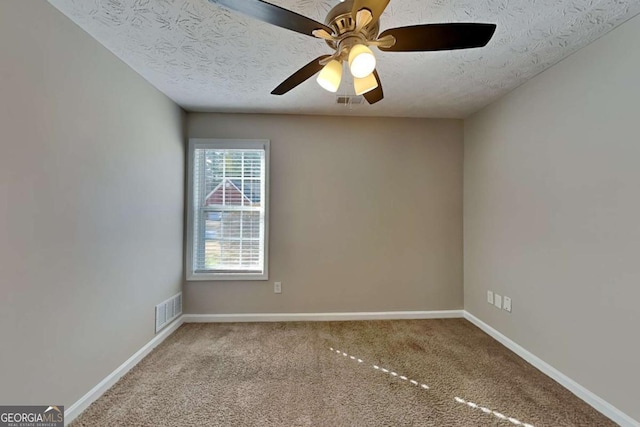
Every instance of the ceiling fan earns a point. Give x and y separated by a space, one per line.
350 28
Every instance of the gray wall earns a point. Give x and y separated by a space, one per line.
551 216
91 207
365 215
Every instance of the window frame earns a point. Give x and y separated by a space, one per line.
208 143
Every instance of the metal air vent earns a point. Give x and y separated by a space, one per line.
349 100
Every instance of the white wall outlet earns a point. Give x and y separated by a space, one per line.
490 297
506 304
277 287
497 301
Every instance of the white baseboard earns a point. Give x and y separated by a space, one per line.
591 398
83 403
320 317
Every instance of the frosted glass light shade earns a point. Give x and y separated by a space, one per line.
330 76
365 84
361 61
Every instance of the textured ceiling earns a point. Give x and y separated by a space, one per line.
207 58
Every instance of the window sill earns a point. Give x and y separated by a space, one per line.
217 277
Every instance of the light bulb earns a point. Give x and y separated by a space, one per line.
361 61
366 84
330 76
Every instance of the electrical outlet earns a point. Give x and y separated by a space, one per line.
277 287
497 300
506 304
490 297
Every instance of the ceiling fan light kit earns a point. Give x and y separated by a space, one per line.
365 84
361 61
351 27
330 76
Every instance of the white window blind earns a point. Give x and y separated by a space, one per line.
228 209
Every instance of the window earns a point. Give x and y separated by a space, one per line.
227 217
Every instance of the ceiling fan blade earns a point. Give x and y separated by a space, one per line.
375 95
275 15
430 37
375 6
300 76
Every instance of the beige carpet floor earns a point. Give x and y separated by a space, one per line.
297 374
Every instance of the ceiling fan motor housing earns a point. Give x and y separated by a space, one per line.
341 20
